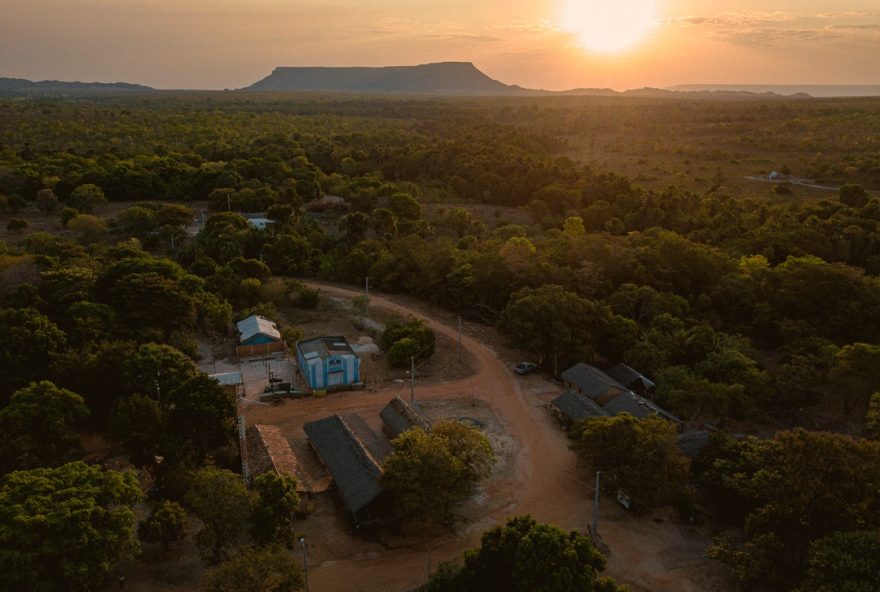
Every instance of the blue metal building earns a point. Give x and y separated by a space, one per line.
328 362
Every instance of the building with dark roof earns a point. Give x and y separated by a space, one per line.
608 394
328 362
635 405
631 379
355 471
571 407
590 381
398 416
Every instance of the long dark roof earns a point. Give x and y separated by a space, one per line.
637 406
377 445
399 416
575 406
629 377
591 381
356 473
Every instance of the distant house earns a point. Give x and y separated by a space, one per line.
399 416
631 379
571 407
590 381
328 363
355 471
258 221
231 381
268 450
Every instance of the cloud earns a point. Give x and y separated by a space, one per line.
780 28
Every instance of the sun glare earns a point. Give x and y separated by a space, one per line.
609 26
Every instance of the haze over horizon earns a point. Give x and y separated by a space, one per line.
550 44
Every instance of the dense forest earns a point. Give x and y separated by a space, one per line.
753 310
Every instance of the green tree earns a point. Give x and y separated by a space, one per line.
524 556
166 524
554 323
856 373
88 227
275 507
853 196
257 569
30 342
401 353
872 419
156 369
430 472
46 201
844 562
201 419
405 206
86 197
38 427
808 486
138 423
63 529
639 457
224 504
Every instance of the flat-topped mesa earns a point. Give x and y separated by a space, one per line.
453 78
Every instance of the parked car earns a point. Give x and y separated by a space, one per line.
525 368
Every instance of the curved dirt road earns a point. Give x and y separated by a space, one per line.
544 481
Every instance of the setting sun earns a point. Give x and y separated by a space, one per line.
608 26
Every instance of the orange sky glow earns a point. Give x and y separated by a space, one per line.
552 44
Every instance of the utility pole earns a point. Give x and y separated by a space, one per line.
412 379
228 203
595 532
302 543
367 288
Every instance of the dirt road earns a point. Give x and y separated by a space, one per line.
544 481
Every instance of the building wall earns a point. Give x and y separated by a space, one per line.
330 372
258 339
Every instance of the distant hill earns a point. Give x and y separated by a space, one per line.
452 78
814 90
21 87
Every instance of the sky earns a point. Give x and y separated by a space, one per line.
551 44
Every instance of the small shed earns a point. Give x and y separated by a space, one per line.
268 450
571 407
230 381
631 379
590 381
356 473
257 329
398 416
328 363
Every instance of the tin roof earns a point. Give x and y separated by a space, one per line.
257 325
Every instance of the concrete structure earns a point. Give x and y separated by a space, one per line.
328 363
